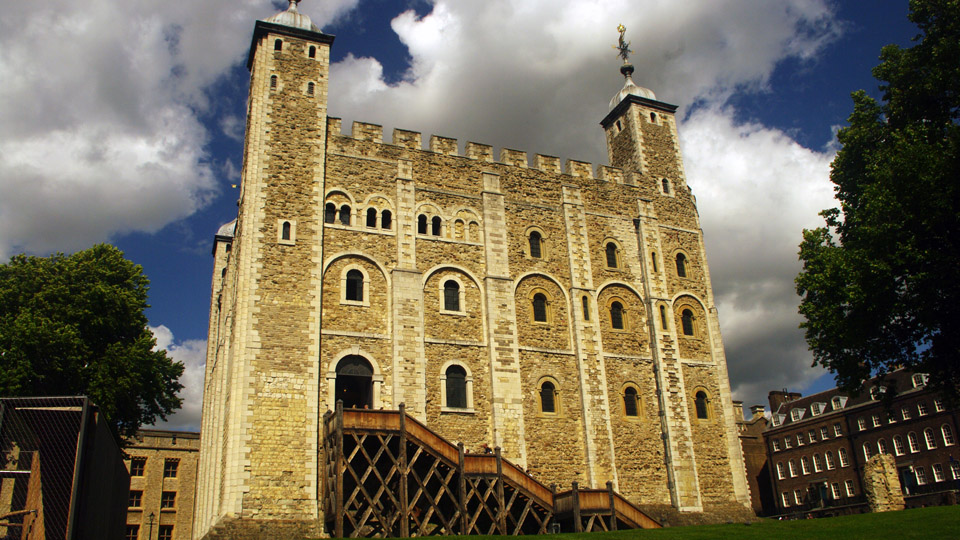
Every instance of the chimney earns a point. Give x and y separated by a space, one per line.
757 411
738 411
779 397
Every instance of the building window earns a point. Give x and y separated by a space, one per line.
955 470
905 413
701 405
876 420
930 439
663 318
805 465
831 464
371 217
948 439
168 499
612 255
812 436
919 379
585 300
135 499
882 446
938 472
548 398
285 231
137 466
540 307
780 471
862 423
914 442
798 497
666 186
435 224
866 451
616 315
170 467
776 445
345 215
451 295
686 321
278 45
354 292
850 491
921 476
165 532
785 499
133 532
898 445
792 465
799 440
310 88
312 52
329 213
838 402
938 405
817 463
835 490
630 402
681 265
536 241
824 434
422 224
653 261
273 82
842 454
837 430
456 387
922 408
386 220
787 442
816 409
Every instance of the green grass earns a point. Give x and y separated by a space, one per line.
923 523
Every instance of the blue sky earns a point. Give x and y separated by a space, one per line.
122 122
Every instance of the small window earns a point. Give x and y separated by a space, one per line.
535 242
653 261
170 467
630 402
435 224
345 215
898 448
938 405
138 464
867 453
831 464
653 117
616 315
548 397
168 499
955 470
133 532
905 412
585 300
861 423
451 295
776 445
540 307
816 409
371 217
273 82
914 442
611 252
824 434
792 465
922 408
882 447
278 45
666 186
663 318
805 465
842 454
681 265
876 420
799 439
919 379
312 52
456 387
619 127
386 220
354 286
948 438
930 439
701 405
838 402
310 88
329 213
835 490
422 224
781 472
812 437
938 473
686 320
785 499
850 491
165 532
921 476
135 499
285 231
788 442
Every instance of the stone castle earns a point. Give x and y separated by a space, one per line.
562 314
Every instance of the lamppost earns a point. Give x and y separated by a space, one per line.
150 523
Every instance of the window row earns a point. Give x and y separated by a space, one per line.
168 499
382 219
536 249
817 464
798 498
164 532
278 47
811 437
310 89
138 466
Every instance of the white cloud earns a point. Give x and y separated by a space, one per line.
192 353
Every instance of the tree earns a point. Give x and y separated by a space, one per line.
74 325
880 284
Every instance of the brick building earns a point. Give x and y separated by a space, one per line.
754 448
818 445
562 313
163 481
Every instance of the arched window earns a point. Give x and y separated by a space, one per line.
616 315
456 387
386 220
371 217
312 52
329 213
817 463
805 465
653 261
898 445
653 117
867 452
586 307
435 225
285 231
663 318
882 446
548 397
354 286
273 82
451 295
630 402
780 471
611 251
666 186
422 224
278 45
914 442
345 214
831 464
701 405
681 265
686 320
310 88
540 307
793 468
930 439
535 241
948 439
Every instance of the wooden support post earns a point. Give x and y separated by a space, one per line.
552 511
613 507
404 473
339 467
462 496
501 500
577 524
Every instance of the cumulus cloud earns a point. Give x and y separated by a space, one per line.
192 353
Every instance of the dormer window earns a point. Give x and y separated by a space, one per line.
817 409
778 419
839 402
919 379
796 414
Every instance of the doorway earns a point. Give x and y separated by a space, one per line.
355 382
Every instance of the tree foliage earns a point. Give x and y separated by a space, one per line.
74 325
880 284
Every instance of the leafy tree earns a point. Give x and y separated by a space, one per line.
880 284
74 325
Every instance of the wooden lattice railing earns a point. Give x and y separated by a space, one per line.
388 475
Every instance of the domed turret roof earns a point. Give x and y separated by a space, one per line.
228 229
293 18
630 88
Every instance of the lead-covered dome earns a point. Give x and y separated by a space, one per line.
293 18
630 88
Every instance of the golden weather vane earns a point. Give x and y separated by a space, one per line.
624 45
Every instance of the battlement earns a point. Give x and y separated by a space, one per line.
413 140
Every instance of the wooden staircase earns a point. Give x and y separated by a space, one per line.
388 475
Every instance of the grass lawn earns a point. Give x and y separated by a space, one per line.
921 524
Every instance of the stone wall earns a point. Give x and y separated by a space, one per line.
881 484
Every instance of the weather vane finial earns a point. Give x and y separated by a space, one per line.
624 45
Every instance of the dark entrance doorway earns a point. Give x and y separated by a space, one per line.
355 382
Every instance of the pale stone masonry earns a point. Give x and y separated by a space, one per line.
574 309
